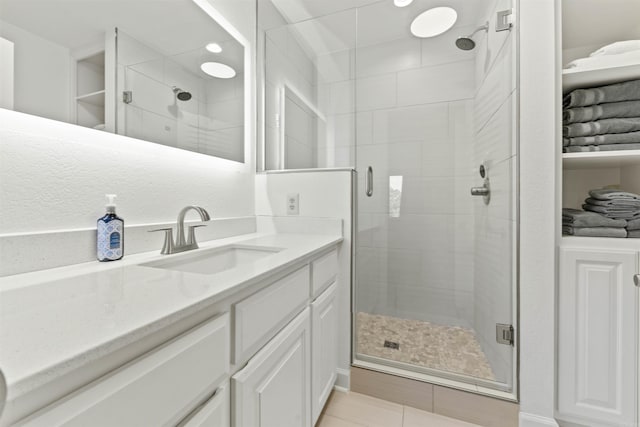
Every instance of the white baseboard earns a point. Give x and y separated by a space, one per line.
343 380
531 420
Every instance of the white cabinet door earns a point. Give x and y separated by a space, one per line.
324 349
598 337
274 389
215 412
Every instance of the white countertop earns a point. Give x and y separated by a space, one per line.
55 321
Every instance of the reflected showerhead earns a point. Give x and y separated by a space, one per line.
181 94
466 42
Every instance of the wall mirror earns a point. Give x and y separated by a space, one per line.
159 70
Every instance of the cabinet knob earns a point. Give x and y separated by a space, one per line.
636 279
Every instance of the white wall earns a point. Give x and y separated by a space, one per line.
53 176
323 194
495 223
41 73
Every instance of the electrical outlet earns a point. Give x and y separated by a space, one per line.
293 204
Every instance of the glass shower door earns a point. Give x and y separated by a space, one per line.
435 265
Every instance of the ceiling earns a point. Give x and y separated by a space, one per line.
172 27
599 22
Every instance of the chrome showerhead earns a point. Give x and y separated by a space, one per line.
181 94
466 42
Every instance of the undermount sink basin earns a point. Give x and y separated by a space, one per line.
214 260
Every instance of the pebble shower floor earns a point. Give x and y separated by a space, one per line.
448 348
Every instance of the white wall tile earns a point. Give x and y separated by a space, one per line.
418 123
447 82
388 57
494 142
336 98
373 93
335 66
498 84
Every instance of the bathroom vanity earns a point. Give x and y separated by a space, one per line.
156 340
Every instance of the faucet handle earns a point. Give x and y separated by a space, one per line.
191 237
167 246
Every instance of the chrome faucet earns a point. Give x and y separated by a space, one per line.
182 244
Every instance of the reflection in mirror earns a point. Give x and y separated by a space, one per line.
133 68
302 126
309 113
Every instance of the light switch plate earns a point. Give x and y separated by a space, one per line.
293 204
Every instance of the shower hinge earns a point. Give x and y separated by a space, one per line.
127 96
504 334
503 21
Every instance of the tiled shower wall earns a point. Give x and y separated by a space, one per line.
494 146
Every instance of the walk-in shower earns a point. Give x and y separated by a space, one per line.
434 290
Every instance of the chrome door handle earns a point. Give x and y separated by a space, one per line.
636 280
484 191
479 191
369 182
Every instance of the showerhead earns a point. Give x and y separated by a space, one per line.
181 94
466 42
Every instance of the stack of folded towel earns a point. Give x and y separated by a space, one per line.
613 55
604 118
633 228
591 224
613 204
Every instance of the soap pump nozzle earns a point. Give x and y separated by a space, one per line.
111 204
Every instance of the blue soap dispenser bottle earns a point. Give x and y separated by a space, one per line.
110 233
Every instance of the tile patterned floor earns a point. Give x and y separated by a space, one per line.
358 410
447 348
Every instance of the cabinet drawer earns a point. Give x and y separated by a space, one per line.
157 389
259 317
215 412
324 272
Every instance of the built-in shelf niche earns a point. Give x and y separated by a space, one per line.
582 172
90 91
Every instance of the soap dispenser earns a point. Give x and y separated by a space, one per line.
110 233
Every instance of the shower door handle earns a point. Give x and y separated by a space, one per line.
636 280
369 182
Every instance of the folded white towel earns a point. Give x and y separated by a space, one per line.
605 61
617 48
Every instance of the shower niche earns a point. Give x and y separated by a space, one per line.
90 91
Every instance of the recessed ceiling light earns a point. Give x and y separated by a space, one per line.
434 22
214 48
402 3
216 69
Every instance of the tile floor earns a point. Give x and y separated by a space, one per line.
358 410
446 348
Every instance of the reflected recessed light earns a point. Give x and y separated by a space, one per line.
434 22
402 3
216 69
214 48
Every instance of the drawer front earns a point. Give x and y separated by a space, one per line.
325 270
259 317
159 388
216 412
